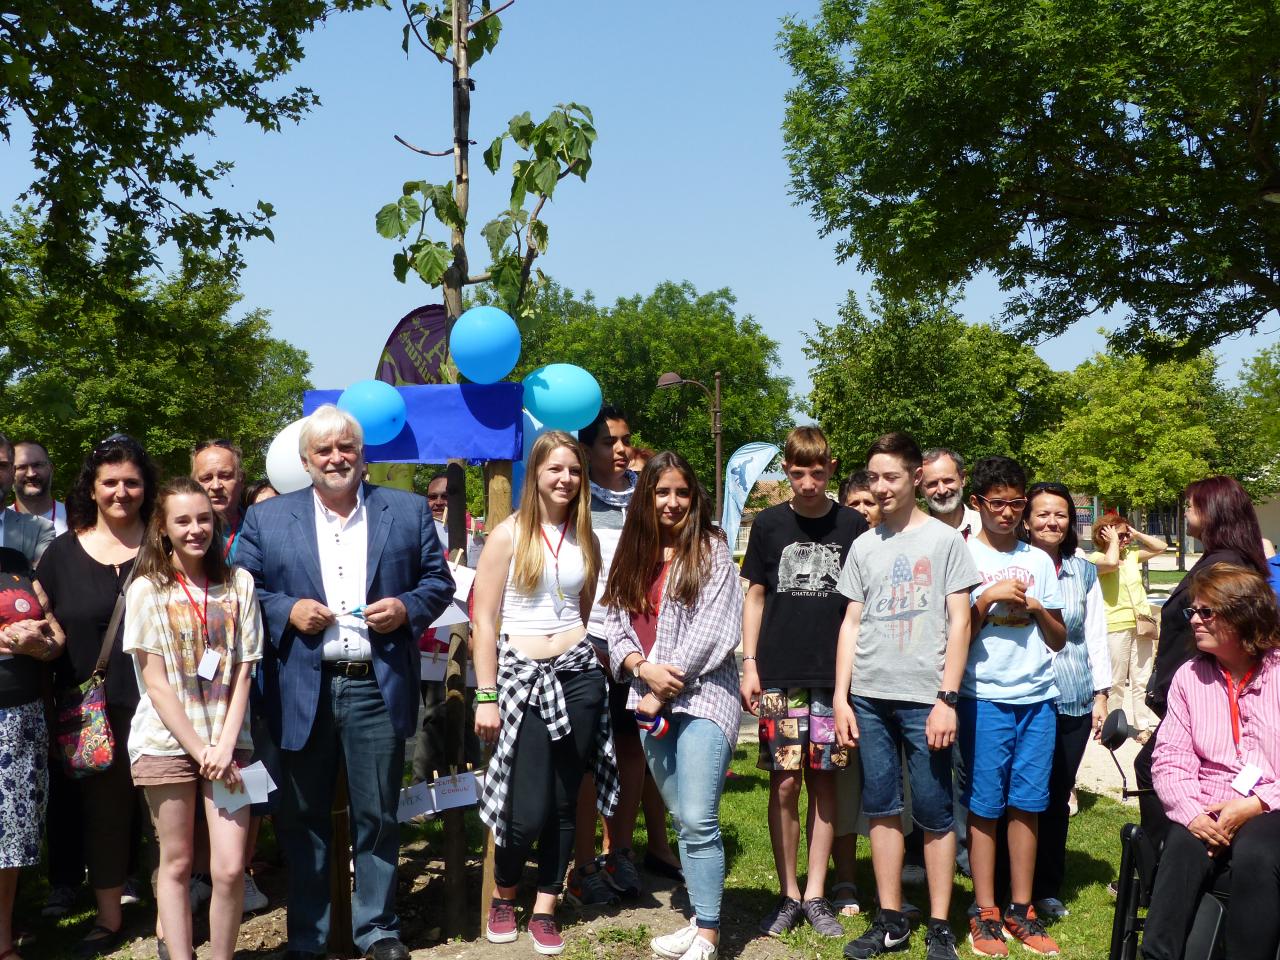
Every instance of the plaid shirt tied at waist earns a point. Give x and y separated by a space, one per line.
525 684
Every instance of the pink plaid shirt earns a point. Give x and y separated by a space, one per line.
1196 756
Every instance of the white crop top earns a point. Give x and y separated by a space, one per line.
547 610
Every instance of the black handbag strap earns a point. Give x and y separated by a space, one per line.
113 627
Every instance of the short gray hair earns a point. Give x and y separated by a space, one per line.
937 453
327 420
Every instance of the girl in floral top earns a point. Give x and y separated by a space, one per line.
193 627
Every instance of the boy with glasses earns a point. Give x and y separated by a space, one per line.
1007 720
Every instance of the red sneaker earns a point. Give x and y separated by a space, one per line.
501 925
1030 932
986 933
546 934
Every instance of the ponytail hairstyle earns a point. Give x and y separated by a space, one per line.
639 553
155 558
529 559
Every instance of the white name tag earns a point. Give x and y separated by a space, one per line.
208 668
1246 780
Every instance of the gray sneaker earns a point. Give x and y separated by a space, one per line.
786 916
821 917
620 870
590 889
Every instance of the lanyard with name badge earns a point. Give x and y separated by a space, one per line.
208 667
555 554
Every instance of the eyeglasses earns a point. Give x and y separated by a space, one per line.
1206 614
998 504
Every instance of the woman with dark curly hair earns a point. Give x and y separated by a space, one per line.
83 572
1217 768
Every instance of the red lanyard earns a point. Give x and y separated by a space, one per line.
555 553
662 586
231 541
1233 700
201 612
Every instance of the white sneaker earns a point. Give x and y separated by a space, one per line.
201 892
254 899
701 950
673 946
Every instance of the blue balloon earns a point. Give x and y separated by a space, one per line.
378 407
562 396
517 483
484 344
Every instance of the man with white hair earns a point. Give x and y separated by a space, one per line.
349 575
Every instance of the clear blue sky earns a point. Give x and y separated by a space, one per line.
688 182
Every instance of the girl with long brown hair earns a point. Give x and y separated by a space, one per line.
193 627
541 693
674 620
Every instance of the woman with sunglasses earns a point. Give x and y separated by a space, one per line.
83 572
1217 769
1131 634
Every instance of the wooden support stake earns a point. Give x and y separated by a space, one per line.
340 941
455 719
497 475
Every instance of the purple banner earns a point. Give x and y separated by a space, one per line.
416 349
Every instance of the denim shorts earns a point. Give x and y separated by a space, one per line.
887 730
1008 751
798 730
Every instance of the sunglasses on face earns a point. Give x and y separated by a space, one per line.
998 504
1206 614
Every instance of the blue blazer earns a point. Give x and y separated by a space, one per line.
277 544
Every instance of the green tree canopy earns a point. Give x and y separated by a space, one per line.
115 93
1092 156
628 345
164 361
919 367
1133 432
1260 386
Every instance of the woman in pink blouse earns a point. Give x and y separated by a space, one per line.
1216 767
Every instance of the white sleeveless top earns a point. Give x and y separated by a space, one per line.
547 609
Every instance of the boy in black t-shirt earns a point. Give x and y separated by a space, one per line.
790 625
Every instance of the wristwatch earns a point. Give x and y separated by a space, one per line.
949 697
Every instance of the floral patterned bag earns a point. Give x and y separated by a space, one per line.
82 730
81 727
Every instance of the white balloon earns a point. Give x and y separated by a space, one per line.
284 463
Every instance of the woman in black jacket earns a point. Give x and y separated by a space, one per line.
1221 516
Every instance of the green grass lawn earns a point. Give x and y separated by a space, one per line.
1166 579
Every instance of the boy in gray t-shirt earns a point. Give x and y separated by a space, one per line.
900 658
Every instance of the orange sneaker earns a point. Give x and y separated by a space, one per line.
986 933
1029 931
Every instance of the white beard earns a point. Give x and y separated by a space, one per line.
948 504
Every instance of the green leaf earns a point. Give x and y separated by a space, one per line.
538 235
496 233
400 265
445 206
544 173
431 260
411 211
413 186
388 223
404 42
493 155
521 129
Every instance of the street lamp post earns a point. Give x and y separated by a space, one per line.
671 379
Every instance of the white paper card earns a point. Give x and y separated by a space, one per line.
434 667
415 801
1246 780
257 787
208 668
455 791
463 579
455 612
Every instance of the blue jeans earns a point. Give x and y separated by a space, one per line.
352 724
886 730
689 765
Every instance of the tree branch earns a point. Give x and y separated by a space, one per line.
567 170
482 278
414 27
491 13
426 153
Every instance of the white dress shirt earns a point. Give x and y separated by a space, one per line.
343 545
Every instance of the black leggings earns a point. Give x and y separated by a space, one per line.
1186 871
544 785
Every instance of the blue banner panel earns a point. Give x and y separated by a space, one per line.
471 421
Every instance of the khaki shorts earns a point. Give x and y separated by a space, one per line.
154 771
